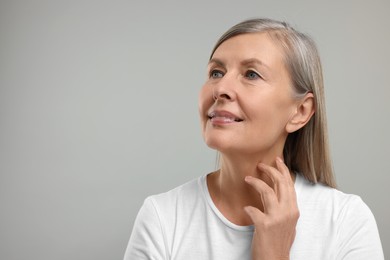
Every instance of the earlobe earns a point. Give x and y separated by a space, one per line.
304 111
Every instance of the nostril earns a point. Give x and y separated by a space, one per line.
222 97
221 94
225 96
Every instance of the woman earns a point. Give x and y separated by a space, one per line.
262 108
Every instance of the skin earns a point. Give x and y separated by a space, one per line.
247 110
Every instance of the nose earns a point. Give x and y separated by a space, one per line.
225 89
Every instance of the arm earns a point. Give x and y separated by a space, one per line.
147 238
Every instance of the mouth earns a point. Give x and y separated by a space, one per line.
223 117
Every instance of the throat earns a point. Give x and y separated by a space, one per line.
230 200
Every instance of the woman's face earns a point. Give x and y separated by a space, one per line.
247 99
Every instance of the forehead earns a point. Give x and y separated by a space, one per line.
259 46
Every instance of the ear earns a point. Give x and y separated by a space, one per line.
304 111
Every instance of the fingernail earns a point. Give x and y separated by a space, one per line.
247 209
248 178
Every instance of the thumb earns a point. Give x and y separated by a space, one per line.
254 213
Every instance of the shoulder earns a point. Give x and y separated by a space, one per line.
330 208
177 201
323 197
188 191
341 219
159 217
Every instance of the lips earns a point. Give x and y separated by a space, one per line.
223 117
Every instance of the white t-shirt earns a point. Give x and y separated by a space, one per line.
184 224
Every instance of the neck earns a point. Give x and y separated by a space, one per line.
229 190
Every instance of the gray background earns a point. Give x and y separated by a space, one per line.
98 109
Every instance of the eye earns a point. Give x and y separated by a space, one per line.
250 74
216 74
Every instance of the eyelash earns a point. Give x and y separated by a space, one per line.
257 76
212 72
215 71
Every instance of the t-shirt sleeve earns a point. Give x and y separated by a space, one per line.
358 236
147 238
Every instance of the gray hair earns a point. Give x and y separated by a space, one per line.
306 151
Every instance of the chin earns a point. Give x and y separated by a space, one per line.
219 143
212 141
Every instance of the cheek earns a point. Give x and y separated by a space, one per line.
205 101
269 115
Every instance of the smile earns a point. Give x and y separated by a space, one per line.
223 117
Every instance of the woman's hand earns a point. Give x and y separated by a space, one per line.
275 226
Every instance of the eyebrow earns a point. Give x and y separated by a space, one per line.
217 61
254 61
244 62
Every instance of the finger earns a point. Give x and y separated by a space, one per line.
278 180
282 167
280 177
277 173
255 214
267 194
271 172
